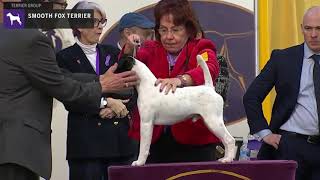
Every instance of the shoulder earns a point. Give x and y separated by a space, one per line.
282 57
202 44
288 51
151 44
33 36
149 49
109 48
21 33
69 50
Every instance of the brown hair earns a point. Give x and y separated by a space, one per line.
182 13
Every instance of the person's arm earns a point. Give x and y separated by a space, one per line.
207 50
256 93
268 137
194 76
42 70
62 60
82 77
263 133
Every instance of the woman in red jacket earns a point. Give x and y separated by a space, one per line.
172 59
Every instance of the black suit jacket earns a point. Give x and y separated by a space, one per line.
30 77
88 135
283 71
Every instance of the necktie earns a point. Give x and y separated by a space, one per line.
316 83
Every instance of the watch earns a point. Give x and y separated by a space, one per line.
104 102
183 80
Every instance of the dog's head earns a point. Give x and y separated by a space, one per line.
125 63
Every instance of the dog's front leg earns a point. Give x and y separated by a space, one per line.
146 129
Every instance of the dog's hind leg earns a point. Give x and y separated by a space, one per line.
146 129
217 127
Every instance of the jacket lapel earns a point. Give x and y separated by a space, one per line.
104 59
297 61
84 61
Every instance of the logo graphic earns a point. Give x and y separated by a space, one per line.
225 174
14 18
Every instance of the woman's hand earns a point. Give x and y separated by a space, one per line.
118 107
168 84
106 113
133 40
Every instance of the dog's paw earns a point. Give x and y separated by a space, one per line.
137 163
226 159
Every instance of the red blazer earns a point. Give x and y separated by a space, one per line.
154 56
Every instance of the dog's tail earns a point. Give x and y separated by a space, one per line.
206 72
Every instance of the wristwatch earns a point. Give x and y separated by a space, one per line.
104 102
183 80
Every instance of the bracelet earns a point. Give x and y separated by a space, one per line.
183 80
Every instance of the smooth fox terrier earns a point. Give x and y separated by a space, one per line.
156 108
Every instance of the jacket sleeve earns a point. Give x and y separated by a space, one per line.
256 93
81 77
207 49
42 70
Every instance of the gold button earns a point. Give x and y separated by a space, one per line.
99 123
116 123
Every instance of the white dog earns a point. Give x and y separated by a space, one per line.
14 18
156 108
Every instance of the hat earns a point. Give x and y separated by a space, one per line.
135 19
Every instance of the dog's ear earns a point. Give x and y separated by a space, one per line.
125 63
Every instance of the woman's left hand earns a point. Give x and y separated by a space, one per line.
168 84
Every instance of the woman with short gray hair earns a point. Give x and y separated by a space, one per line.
95 140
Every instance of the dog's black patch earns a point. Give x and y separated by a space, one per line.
125 63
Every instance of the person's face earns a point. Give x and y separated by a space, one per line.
92 35
172 37
311 30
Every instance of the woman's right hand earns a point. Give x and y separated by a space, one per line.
118 107
133 40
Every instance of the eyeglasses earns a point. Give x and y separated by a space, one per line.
174 31
97 22
62 4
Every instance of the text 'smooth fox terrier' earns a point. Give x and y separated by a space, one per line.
156 108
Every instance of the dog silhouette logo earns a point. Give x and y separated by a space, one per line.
14 18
